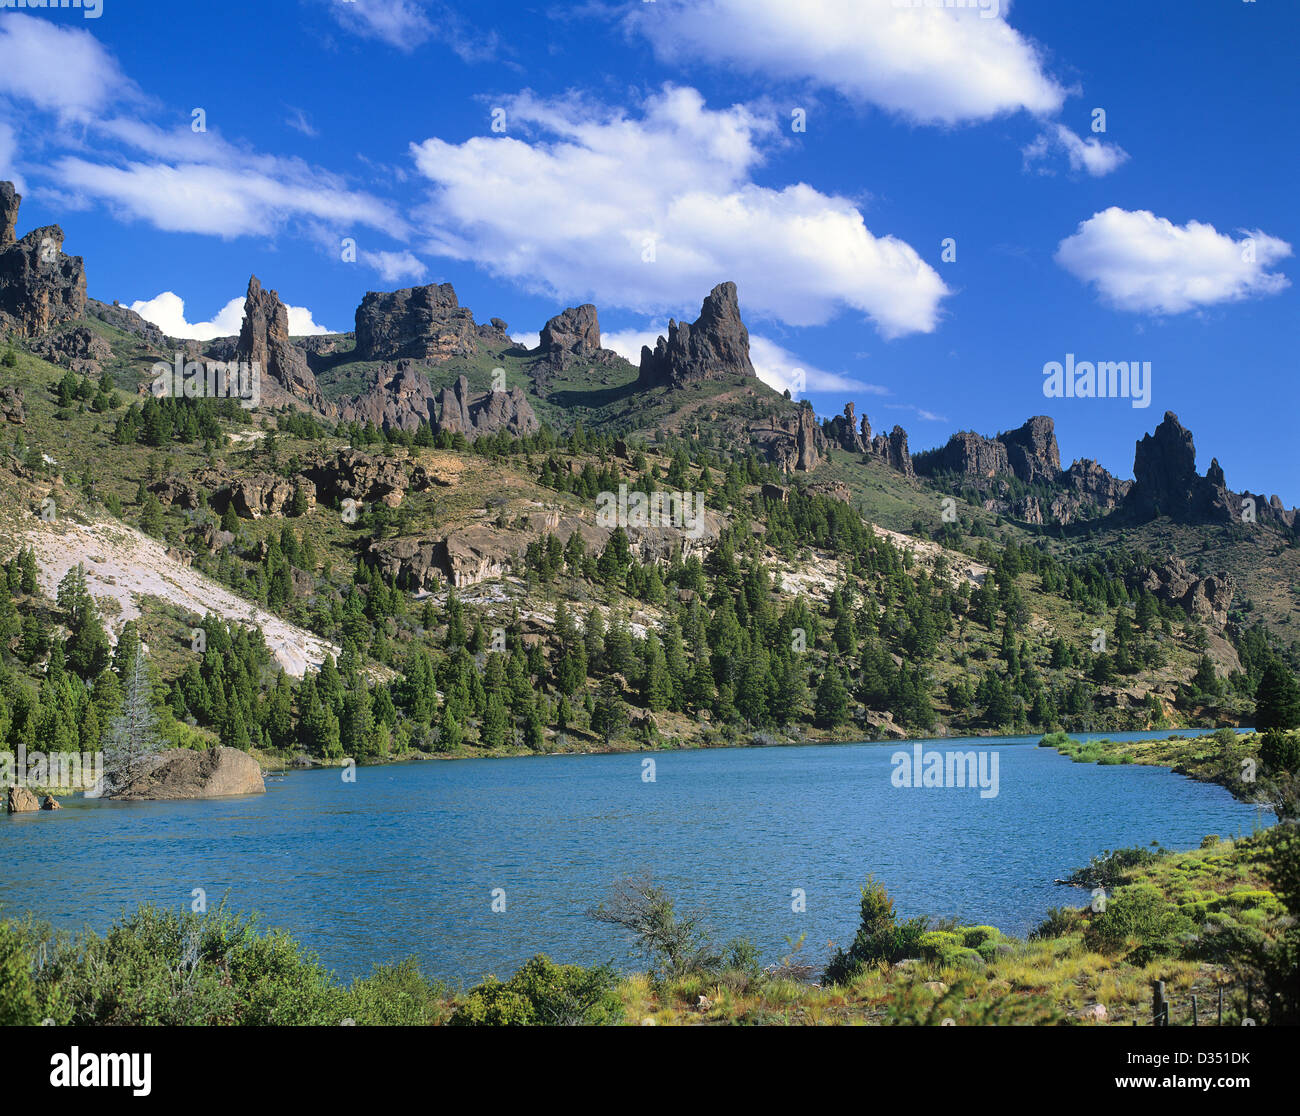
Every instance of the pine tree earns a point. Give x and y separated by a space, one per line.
132 737
1277 699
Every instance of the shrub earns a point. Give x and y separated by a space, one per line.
543 993
676 944
395 996
880 939
1057 740
18 1007
1110 869
1280 751
1059 921
1140 918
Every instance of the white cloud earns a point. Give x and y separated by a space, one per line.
572 214
63 69
226 200
1144 263
408 24
780 369
9 157
297 120
395 267
627 342
167 312
926 63
1092 155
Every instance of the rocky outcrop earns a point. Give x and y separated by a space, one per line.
421 323
49 802
843 431
401 400
1029 453
352 474
11 404
571 336
264 340
128 321
261 494
892 450
1089 491
1206 599
22 801
475 414
40 286
78 349
1165 480
713 347
793 440
176 491
183 773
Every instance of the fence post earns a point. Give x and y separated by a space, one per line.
1159 1010
1195 1016
1220 1005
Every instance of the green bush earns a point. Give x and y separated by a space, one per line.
396 996
880 939
1059 921
18 1007
1057 740
1139 918
1280 751
543 993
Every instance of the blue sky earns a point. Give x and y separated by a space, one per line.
1166 238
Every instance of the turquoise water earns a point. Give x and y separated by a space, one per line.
405 860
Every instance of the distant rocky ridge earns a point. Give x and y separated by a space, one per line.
713 347
40 286
474 414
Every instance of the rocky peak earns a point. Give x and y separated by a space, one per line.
10 200
472 414
842 430
1029 453
423 323
714 347
573 333
40 286
1166 482
264 341
1032 450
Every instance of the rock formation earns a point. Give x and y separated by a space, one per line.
1207 599
22 801
474 414
11 404
79 349
40 286
1165 480
401 399
128 321
793 440
571 336
892 450
1029 453
264 340
422 323
843 431
183 773
714 347
1089 490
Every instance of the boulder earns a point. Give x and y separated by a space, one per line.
713 347
182 773
49 802
11 404
22 801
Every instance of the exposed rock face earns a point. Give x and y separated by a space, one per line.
571 336
892 449
49 802
423 323
1207 599
842 430
264 340
22 801
11 404
1029 453
182 773
714 347
793 440
40 286
401 400
351 474
128 321
177 491
77 349
1088 487
1166 481
264 494
477 413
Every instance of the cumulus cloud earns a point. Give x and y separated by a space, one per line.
1147 264
1092 155
9 157
649 212
167 312
927 64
